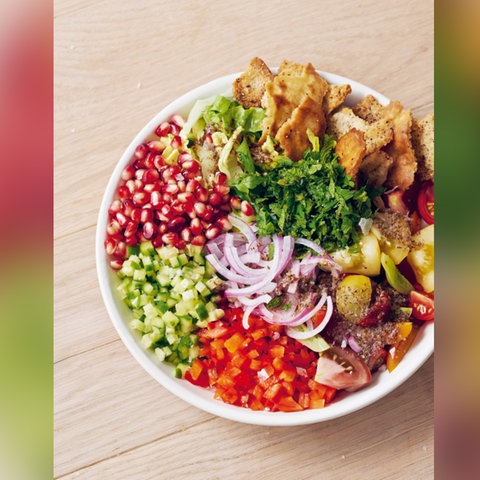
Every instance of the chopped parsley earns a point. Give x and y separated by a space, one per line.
313 198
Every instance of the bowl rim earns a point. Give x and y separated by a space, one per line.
344 404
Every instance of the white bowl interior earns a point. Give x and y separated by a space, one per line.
383 383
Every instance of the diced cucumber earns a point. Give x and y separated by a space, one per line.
171 294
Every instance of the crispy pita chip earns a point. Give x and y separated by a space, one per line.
293 103
377 134
334 97
402 171
351 148
423 145
369 109
249 88
374 168
292 135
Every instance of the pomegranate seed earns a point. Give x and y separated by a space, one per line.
183 157
146 215
133 240
192 185
180 244
156 146
222 189
169 238
215 199
201 194
140 152
139 173
121 250
163 129
190 210
196 226
247 209
208 139
130 184
162 228
207 214
150 187
224 224
140 198
191 166
151 175
138 184
174 129
167 213
176 142
128 172
157 241
155 198
212 232
235 203
130 229
166 197
198 240
149 160
110 246
149 230
116 264
113 227
182 186
171 188
178 207
158 162
123 192
177 223
138 164
185 197
186 235
122 219
136 215
177 120
115 207
221 178
199 208
128 207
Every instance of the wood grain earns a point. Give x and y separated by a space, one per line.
116 65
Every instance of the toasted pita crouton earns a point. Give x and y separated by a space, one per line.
334 97
292 135
402 171
248 89
377 134
293 103
369 109
423 145
351 148
374 168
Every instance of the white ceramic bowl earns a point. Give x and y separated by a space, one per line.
343 404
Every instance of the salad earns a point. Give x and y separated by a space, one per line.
276 245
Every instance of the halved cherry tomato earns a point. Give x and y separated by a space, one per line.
343 369
426 202
423 307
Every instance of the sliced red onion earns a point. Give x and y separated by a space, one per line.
298 334
243 227
250 307
353 344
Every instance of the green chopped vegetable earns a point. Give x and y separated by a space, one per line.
313 198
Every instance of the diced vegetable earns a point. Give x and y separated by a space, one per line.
421 257
353 297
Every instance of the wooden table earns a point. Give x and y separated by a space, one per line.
117 65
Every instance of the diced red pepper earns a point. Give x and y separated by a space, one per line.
259 368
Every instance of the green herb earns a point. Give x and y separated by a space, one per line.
313 198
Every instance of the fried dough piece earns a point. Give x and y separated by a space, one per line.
292 135
293 103
374 168
351 148
402 171
423 145
335 96
369 109
376 134
249 88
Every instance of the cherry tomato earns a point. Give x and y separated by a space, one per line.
426 202
343 369
422 306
